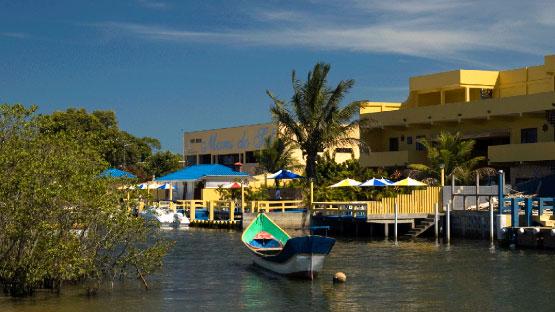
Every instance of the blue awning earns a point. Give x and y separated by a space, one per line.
116 173
197 172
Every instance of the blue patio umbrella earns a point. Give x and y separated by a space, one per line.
116 173
377 182
284 174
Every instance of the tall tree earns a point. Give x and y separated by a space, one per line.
58 220
100 129
314 119
455 154
161 163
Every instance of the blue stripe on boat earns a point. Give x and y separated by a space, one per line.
312 244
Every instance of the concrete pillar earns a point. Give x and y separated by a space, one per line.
442 96
466 94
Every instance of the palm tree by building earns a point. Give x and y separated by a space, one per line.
276 155
455 154
313 120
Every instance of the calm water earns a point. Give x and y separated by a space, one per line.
209 270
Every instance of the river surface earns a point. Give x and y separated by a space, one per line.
210 270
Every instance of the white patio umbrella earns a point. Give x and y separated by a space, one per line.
346 183
409 182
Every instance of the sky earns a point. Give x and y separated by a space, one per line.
166 66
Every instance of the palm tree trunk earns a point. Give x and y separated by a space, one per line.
311 165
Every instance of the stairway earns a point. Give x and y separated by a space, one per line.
422 227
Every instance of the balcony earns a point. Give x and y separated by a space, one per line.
540 151
392 159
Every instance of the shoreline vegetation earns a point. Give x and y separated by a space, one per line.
59 221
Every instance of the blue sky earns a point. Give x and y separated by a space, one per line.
171 66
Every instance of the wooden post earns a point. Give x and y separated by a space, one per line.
443 176
396 221
436 221
311 193
282 207
242 198
491 220
171 192
232 211
477 192
211 204
448 232
192 212
266 180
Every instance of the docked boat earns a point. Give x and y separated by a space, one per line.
166 217
273 249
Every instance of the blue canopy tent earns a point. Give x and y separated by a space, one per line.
116 173
188 176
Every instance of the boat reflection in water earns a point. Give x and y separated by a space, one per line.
273 249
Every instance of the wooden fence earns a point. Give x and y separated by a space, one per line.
417 202
270 205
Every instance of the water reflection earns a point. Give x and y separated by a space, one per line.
210 270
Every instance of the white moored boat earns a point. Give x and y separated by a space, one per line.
166 217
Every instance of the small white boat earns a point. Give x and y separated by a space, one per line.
273 249
166 217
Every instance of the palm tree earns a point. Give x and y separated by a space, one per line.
314 120
451 151
276 155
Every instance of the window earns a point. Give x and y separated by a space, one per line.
205 159
250 157
409 140
346 150
529 135
393 144
197 140
191 160
419 146
228 159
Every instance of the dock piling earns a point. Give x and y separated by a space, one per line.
396 215
491 220
436 221
448 220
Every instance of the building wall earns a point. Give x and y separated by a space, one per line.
491 107
238 144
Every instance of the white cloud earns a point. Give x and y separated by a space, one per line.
427 28
411 6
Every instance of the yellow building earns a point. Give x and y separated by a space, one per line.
510 114
239 144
